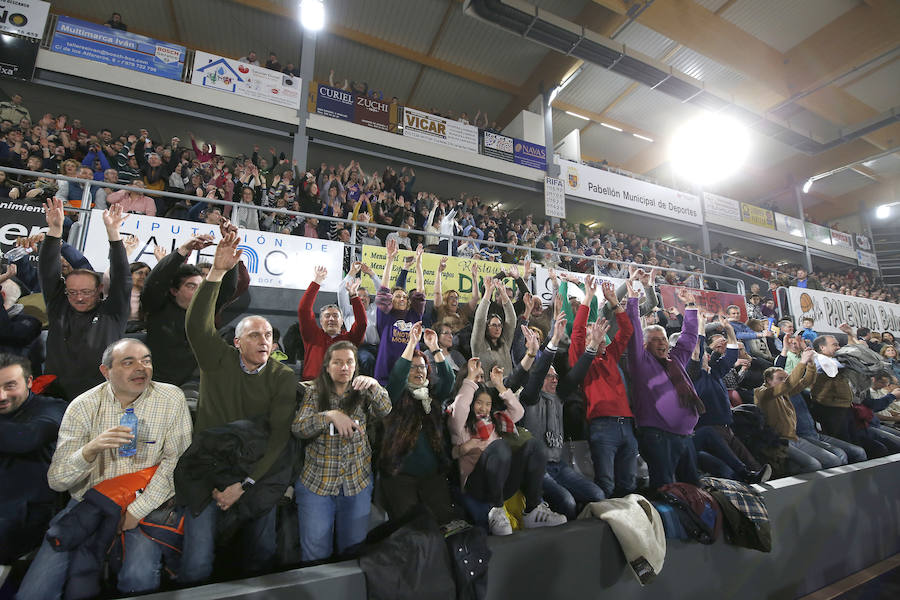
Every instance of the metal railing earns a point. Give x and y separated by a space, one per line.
724 262
533 253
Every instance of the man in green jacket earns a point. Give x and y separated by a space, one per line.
236 383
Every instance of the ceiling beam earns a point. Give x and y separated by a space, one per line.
861 199
173 20
862 33
555 66
387 47
599 118
451 4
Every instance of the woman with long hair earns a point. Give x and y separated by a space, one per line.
892 358
413 459
492 334
334 491
489 470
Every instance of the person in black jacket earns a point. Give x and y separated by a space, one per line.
28 427
166 295
82 324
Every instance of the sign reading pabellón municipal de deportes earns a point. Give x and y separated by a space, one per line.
828 310
24 17
625 192
118 48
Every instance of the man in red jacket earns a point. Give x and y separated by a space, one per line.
613 445
318 336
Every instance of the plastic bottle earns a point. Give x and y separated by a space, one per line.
129 419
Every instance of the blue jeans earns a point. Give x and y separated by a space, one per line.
320 516
614 451
46 577
825 457
709 445
256 538
851 452
565 488
670 457
366 354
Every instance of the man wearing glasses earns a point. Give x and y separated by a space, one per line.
82 323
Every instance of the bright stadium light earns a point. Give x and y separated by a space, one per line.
709 148
884 211
807 186
312 14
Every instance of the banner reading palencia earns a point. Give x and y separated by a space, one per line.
829 310
272 259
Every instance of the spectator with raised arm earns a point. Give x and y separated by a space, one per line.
492 334
397 313
317 337
334 490
81 323
237 382
414 460
447 308
666 406
369 346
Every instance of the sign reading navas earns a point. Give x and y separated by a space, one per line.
829 310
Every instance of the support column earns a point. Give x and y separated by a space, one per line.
552 167
798 194
307 74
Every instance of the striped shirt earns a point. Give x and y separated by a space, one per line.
335 463
164 432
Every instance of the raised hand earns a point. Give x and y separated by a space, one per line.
686 295
430 337
807 355
227 253
352 287
11 271
392 249
225 226
599 329
53 212
497 377
420 250
320 274
113 217
526 271
159 252
442 266
559 329
589 289
131 242
609 291
531 340
355 268
415 333
197 242
474 369
514 271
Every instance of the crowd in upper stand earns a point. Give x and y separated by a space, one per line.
367 195
459 404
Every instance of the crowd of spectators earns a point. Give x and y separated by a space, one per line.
369 196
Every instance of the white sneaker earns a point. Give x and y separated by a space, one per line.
499 522
542 516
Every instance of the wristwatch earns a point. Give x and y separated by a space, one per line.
247 483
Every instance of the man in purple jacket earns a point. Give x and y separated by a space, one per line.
665 405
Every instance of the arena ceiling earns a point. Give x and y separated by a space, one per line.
817 71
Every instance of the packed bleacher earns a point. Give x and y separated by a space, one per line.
130 406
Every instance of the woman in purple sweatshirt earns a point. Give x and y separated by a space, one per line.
666 407
397 313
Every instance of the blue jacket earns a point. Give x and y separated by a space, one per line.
742 331
809 335
712 390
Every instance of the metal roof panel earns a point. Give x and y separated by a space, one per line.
880 89
446 92
841 183
645 40
352 61
781 24
594 88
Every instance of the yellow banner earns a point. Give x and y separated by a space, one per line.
757 216
457 276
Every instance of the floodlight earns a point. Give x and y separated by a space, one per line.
312 14
709 148
807 185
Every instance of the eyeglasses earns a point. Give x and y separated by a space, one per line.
418 367
80 293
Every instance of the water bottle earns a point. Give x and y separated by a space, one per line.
129 419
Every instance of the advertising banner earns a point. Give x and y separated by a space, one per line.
272 259
334 103
756 215
817 233
118 48
497 146
24 17
447 132
863 243
372 113
543 285
457 275
233 77
789 225
829 310
554 197
721 206
626 192
19 218
708 301
17 57
839 238
867 259
530 155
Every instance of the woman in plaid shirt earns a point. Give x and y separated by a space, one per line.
334 490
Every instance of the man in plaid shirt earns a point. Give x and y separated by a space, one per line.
87 453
